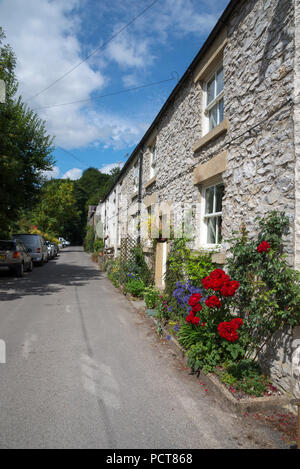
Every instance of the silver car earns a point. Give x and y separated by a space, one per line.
36 246
15 256
51 252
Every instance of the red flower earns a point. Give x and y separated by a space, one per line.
228 329
229 288
213 301
263 247
196 321
196 308
190 318
194 299
206 283
237 321
215 280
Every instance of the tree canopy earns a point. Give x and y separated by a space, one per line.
25 147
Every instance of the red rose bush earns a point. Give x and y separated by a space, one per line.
211 320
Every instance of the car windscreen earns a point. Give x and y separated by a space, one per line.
28 240
7 245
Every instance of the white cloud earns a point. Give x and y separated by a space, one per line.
44 36
106 169
129 51
73 174
130 80
52 174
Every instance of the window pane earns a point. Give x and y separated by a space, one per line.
219 227
213 117
221 111
219 196
220 81
209 200
210 90
211 230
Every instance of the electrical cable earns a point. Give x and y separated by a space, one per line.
107 95
165 184
101 47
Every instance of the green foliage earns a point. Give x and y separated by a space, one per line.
183 264
244 375
98 245
56 207
151 296
188 335
135 287
90 190
89 239
269 293
162 309
136 266
139 264
204 356
25 148
112 267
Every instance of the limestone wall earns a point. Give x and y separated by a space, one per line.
260 140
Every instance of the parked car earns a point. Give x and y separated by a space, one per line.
61 242
15 256
50 247
64 242
55 248
36 246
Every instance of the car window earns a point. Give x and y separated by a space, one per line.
20 246
28 240
7 245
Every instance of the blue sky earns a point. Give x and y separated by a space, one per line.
50 37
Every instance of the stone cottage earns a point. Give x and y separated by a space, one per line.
225 146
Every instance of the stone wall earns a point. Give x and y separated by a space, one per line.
258 67
258 61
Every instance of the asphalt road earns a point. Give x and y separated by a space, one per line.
85 370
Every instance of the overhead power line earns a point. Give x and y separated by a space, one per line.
101 47
106 95
231 141
73 156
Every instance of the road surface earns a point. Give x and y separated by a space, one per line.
85 370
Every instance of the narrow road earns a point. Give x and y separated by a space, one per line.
85 370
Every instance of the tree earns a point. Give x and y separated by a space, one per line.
89 190
25 147
56 210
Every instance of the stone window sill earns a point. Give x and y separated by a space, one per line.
150 182
218 256
212 135
134 195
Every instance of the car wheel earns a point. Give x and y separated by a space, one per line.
30 266
20 270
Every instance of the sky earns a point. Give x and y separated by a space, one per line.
115 61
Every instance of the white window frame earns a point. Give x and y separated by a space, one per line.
136 177
133 225
213 103
204 217
153 158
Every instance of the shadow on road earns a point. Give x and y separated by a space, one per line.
47 280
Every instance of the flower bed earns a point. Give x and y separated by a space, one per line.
226 319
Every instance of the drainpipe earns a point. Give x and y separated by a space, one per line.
140 193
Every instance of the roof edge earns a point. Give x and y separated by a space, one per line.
208 42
